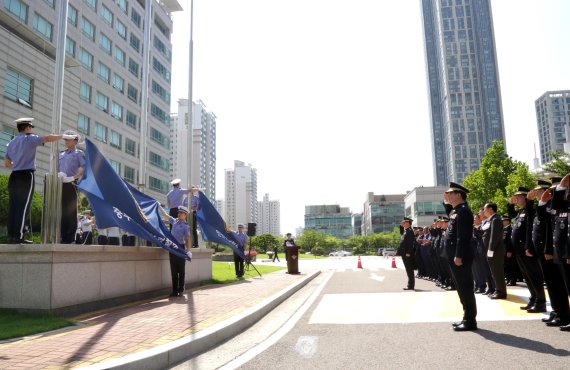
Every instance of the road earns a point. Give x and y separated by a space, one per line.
350 318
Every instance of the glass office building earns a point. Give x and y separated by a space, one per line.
553 122
329 219
463 81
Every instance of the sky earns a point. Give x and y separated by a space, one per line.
328 99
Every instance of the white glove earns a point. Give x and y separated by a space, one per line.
490 254
61 175
67 179
189 254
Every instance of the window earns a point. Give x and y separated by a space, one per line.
100 132
158 161
131 120
118 82
159 45
162 28
129 174
157 185
133 67
88 28
115 139
102 102
103 72
161 69
72 15
123 5
130 146
117 111
159 114
136 18
18 87
43 27
160 91
116 166
50 3
105 43
17 8
83 124
160 138
135 42
107 15
85 92
69 46
132 93
121 29
120 56
92 4
86 59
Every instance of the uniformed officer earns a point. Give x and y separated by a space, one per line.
494 249
87 224
194 204
524 251
241 238
180 232
70 168
406 250
459 253
176 197
21 158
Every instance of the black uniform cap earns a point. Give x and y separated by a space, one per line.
407 219
456 187
521 191
543 184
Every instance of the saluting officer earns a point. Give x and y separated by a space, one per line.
21 158
70 168
460 253
407 250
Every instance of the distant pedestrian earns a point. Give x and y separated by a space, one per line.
21 158
275 253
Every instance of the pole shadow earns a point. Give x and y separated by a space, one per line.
522 343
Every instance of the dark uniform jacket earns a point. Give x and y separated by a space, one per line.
459 233
560 224
542 231
493 234
522 227
507 240
407 241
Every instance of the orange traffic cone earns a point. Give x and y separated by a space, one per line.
393 262
359 266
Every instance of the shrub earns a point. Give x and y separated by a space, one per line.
317 251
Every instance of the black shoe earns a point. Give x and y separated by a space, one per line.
528 306
557 322
489 292
498 296
565 328
23 241
466 326
480 291
456 324
173 294
512 283
408 288
537 308
450 288
550 317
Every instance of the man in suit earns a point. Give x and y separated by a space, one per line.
495 249
460 252
407 250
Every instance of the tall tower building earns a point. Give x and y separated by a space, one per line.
269 220
553 121
204 146
241 195
463 80
118 58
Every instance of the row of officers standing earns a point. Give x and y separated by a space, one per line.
531 242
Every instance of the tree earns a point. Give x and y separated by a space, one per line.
559 165
498 177
264 242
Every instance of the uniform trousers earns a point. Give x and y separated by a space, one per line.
554 278
87 238
496 266
532 274
463 278
238 264
194 230
409 265
178 272
21 189
68 212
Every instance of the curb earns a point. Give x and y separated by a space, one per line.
182 349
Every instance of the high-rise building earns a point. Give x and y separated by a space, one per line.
118 58
463 80
329 219
382 213
425 203
269 220
204 146
553 121
241 195
357 223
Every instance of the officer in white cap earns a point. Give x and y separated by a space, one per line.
181 233
175 197
70 168
21 158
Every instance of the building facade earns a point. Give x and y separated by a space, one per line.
329 219
463 83
203 147
357 223
269 220
241 195
424 204
109 53
553 123
382 213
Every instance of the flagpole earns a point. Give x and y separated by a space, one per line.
190 133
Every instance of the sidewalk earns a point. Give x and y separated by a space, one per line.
158 333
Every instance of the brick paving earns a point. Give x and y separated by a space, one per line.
135 328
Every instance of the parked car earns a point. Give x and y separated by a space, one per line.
389 252
340 253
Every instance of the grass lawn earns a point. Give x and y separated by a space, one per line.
224 272
14 324
282 256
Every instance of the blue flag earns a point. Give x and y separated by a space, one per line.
213 227
118 204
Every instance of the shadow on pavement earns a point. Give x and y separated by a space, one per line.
523 343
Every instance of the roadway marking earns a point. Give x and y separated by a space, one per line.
414 307
373 276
